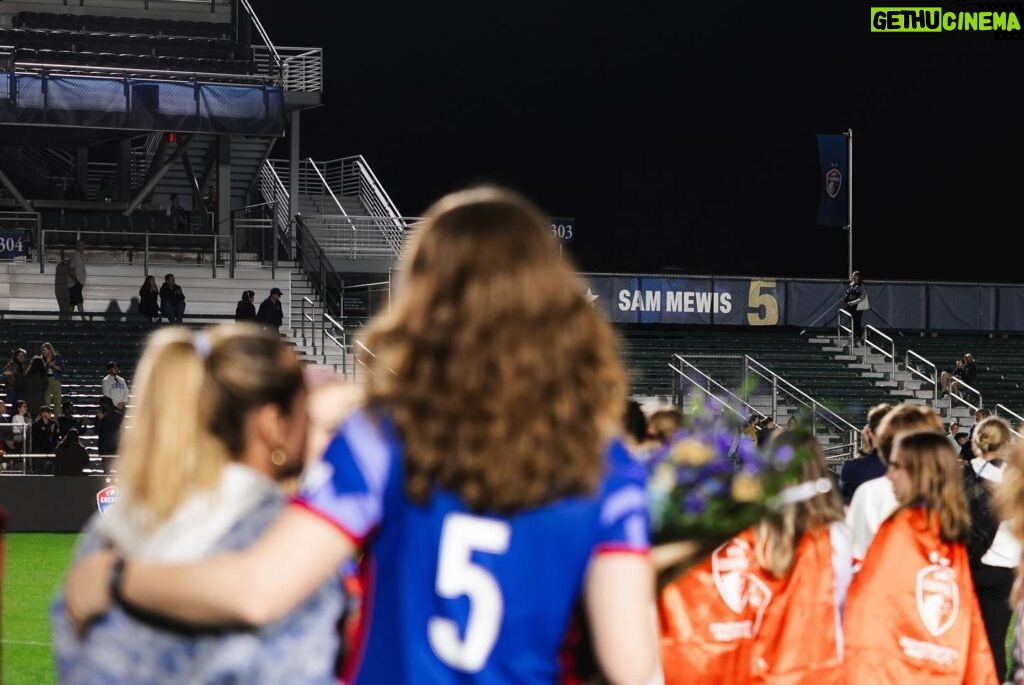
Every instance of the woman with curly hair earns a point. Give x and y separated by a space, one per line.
912 615
482 482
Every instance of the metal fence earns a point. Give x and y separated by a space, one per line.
142 249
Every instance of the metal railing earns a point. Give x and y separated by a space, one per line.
910 360
301 70
273 190
139 74
842 329
330 330
316 264
306 320
268 45
253 236
833 421
1002 409
961 384
709 381
52 163
887 352
353 237
350 177
140 248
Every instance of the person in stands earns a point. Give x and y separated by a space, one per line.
485 452
54 371
270 315
868 465
172 300
245 310
148 294
115 387
71 458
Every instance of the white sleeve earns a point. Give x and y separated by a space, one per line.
842 570
858 525
106 386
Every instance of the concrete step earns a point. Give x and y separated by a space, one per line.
924 394
886 384
860 367
844 357
902 393
874 375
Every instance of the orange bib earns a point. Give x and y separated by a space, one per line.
727 620
911 614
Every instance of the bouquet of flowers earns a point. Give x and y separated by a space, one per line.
710 483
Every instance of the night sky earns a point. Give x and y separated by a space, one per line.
682 137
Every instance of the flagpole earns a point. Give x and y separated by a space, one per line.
849 201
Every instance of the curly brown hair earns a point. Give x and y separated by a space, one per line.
502 379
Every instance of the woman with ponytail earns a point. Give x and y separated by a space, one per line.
219 417
912 615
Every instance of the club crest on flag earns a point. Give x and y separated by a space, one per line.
938 598
106 498
833 182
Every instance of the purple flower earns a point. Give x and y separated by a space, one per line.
784 455
694 502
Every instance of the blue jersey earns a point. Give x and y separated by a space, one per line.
457 597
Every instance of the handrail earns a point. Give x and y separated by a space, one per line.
260 30
963 384
153 74
1020 419
934 379
218 242
328 187
365 169
817 409
324 335
840 327
304 317
717 384
890 353
705 391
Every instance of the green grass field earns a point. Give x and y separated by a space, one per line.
36 563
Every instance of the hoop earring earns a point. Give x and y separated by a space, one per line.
278 457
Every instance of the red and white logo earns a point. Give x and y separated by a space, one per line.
106 498
739 589
938 597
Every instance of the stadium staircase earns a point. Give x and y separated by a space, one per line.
999 359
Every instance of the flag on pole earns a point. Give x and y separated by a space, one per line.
832 160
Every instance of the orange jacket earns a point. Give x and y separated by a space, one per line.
911 614
727 620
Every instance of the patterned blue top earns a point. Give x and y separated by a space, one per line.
300 648
454 596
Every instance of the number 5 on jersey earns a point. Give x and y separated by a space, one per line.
457 575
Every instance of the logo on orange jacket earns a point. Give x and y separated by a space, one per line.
938 597
738 587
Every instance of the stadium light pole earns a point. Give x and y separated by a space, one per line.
849 200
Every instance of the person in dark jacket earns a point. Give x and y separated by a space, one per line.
14 377
869 464
36 382
44 440
246 310
148 294
71 456
108 428
67 421
270 315
172 300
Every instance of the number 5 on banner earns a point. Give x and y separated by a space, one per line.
758 298
457 575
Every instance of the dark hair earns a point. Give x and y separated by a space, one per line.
66 403
71 437
106 404
168 277
36 366
635 421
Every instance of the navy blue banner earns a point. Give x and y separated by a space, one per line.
832 161
12 244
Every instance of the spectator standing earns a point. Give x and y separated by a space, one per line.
179 215
245 310
6 434
71 457
36 381
67 421
76 271
108 429
61 283
14 376
172 300
148 294
54 373
954 429
856 302
270 315
114 387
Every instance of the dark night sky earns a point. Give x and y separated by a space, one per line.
682 137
